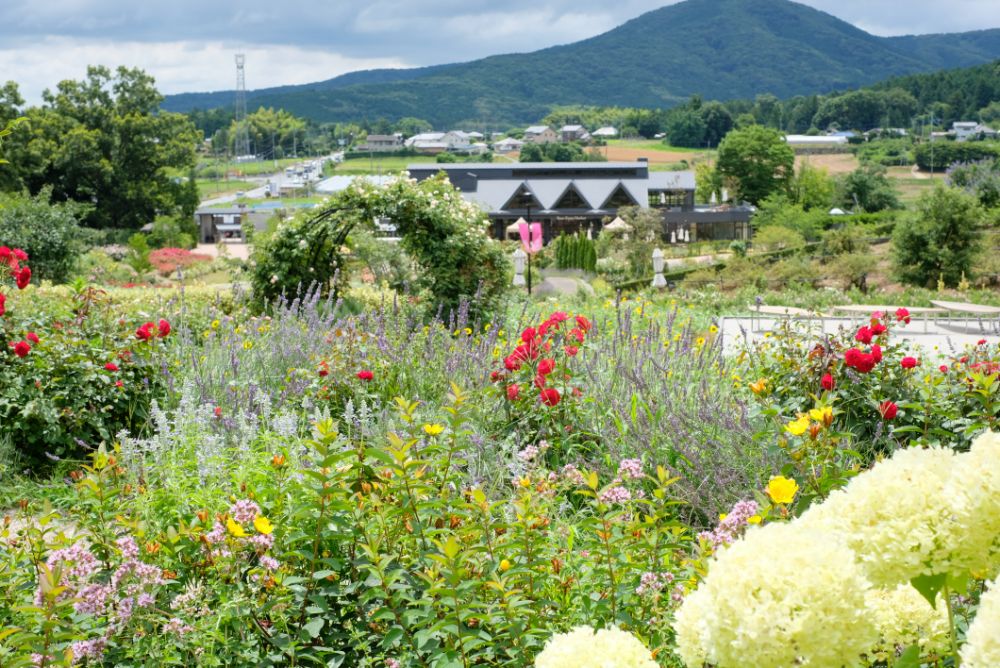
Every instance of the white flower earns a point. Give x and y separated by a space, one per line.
982 642
582 648
903 618
784 595
974 492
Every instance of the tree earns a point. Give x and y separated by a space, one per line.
276 133
49 233
757 161
410 126
531 153
686 128
868 188
718 122
813 188
940 241
708 182
103 141
981 179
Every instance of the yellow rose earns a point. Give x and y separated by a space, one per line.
782 489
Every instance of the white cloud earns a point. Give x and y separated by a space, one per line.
179 66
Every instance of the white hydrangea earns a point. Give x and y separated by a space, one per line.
982 642
784 595
583 648
896 516
974 492
903 618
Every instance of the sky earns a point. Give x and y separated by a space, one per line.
189 45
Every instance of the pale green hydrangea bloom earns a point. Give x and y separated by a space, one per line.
583 648
903 617
974 492
982 642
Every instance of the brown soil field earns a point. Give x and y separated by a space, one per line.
834 163
622 154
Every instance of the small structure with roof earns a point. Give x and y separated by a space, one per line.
540 134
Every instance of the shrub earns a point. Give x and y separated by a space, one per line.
50 233
168 260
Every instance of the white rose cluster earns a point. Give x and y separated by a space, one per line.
982 642
584 648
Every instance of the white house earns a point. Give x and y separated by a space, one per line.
540 134
508 145
574 133
966 130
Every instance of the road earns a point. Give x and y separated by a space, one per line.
280 178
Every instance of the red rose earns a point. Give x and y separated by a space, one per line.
571 350
365 374
902 315
23 278
576 334
549 396
864 335
5 254
981 342
827 383
21 349
496 376
163 328
3 303
943 368
543 328
539 381
559 316
218 411
878 328
31 336
908 362
512 363
118 383
20 255
888 410
852 356
528 335
866 363
111 366
877 353
546 366
145 332
583 323
513 391
324 370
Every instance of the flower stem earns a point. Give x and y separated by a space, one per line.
951 627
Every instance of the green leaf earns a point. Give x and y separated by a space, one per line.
930 586
910 658
314 626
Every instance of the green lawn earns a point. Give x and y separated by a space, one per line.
208 188
653 145
376 165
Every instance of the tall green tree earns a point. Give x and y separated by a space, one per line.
717 120
757 162
868 188
273 132
941 240
686 128
102 141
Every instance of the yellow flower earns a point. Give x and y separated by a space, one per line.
262 524
821 414
722 517
433 429
782 489
215 324
754 519
234 528
468 331
759 386
799 426
713 329
700 341
247 345
524 482
505 565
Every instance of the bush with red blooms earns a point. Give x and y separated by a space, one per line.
537 382
167 260
13 269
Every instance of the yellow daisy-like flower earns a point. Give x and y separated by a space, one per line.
433 429
759 386
713 329
824 414
215 324
263 525
505 565
247 345
799 426
234 528
754 519
782 490
700 341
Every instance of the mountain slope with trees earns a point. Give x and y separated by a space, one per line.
719 49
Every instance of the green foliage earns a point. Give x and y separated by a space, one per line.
442 233
686 128
981 179
138 253
866 109
272 132
708 182
777 237
168 232
48 232
778 210
576 251
886 151
757 161
940 155
558 152
868 189
941 239
813 188
386 260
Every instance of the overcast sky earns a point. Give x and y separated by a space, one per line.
188 45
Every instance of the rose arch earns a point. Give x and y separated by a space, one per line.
444 234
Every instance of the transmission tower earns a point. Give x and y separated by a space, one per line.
241 143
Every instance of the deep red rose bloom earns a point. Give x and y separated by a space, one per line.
511 363
963 359
513 392
888 410
908 362
583 323
5 254
549 396
118 383
878 328
365 374
496 376
546 366
943 368
21 349
528 335
111 366
324 371
864 335
572 350
877 353
31 336
23 278
981 342
145 332
163 328
576 334
902 315
827 383
852 356
543 328
3 303
539 381
20 255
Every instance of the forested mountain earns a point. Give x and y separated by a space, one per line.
719 49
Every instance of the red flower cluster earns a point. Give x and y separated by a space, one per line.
365 375
888 410
861 361
10 264
535 357
909 362
149 330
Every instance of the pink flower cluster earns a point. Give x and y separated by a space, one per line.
732 526
630 468
653 583
614 494
244 512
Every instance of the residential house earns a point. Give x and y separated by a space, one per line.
508 145
570 133
432 143
540 134
607 132
381 143
971 130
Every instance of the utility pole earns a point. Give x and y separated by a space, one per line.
242 140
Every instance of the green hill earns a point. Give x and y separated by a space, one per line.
719 49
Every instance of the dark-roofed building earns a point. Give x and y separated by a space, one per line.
570 196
